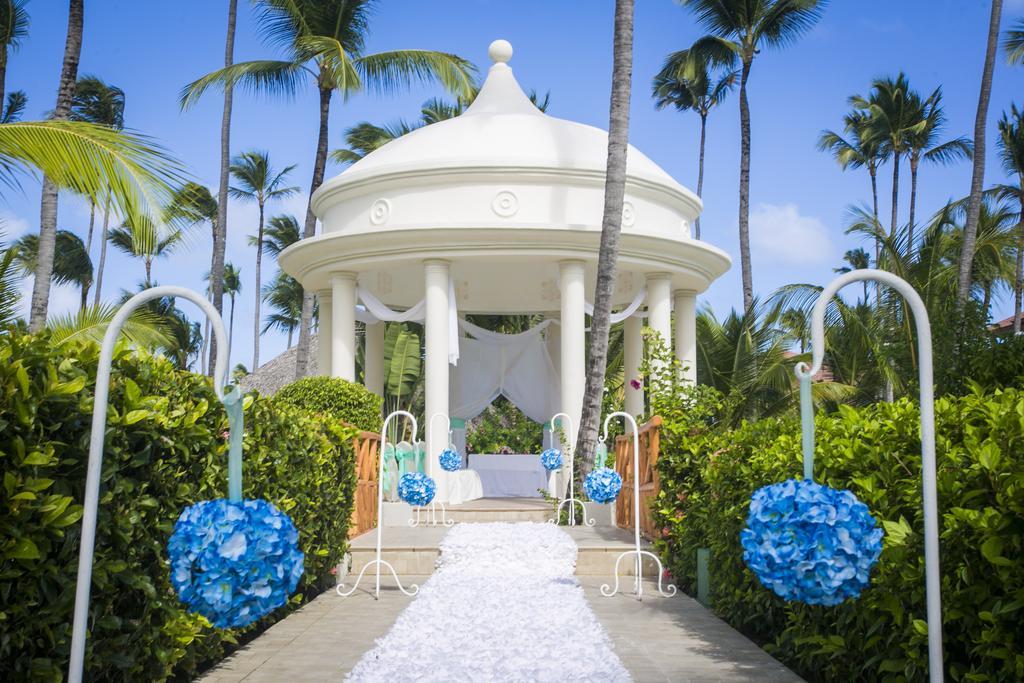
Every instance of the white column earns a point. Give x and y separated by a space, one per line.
435 329
686 332
323 334
343 326
373 359
659 306
633 354
573 341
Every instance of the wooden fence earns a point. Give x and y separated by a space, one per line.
364 511
650 438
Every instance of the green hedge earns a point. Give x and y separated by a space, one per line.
165 449
343 400
707 477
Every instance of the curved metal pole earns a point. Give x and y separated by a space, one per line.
96 439
377 562
928 484
606 590
572 501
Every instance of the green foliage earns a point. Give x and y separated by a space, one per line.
165 449
708 474
345 401
504 425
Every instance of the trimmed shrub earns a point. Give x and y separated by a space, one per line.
165 449
707 478
342 400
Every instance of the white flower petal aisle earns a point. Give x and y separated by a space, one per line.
503 605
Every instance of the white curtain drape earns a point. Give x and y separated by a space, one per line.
374 311
629 310
517 366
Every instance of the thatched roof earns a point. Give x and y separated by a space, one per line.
279 371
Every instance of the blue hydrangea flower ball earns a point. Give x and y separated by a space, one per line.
602 485
810 543
551 459
416 488
234 562
450 459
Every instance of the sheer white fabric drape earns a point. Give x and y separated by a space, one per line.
374 311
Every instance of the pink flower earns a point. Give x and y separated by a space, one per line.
636 384
334 571
225 435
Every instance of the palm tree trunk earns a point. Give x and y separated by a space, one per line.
92 224
103 251
256 320
48 203
700 165
1018 284
231 327
290 331
85 298
873 172
987 298
309 229
914 163
611 227
895 193
221 228
748 278
149 271
3 73
978 173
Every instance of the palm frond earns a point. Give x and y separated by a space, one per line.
387 72
1013 43
15 107
274 77
143 328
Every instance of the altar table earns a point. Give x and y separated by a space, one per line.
510 476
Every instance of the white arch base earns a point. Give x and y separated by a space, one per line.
414 589
430 515
638 583
572 503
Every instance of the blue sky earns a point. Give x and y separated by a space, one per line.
799 197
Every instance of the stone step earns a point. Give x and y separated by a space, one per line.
415 551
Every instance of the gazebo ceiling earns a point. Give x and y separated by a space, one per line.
504 192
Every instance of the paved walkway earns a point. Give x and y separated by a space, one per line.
658 639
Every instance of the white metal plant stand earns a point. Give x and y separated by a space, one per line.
377 562
430 511
572 501
928 485
96 438
638 552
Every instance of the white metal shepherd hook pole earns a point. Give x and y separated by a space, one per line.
928 485
431 517
380 512
572 500
640 553
97 436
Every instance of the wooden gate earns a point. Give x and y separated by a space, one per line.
650 436
364 510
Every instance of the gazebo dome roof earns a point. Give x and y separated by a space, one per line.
503 129
504 193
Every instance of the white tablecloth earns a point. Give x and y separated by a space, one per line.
510 476
464 486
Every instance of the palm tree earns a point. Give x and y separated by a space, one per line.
978 172
232 287
895 112
922 144
71 264
15 107
102 104
1013 43
284 294
738 31
258 182
325 41
1011 153
145 240
700 93
611 227
10 277
863 149
282 231
856 259
13 27
48 201
142 329
220 225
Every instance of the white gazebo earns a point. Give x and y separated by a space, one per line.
499 211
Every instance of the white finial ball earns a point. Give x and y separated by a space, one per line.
500 51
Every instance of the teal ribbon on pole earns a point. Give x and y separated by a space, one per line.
233 406
807 424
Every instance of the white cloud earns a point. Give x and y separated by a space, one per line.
12 226
782 234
